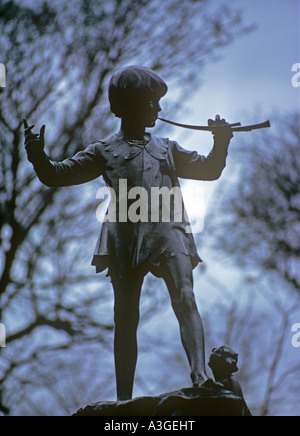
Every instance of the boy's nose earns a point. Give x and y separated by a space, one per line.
157 107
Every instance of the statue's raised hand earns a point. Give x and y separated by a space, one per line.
222 128
34 142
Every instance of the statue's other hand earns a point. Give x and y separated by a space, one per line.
34 142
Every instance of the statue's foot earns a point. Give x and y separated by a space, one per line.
199 380
199 383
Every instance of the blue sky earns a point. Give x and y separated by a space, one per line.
250 82
252 79
253 75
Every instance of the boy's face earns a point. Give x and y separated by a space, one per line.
143 112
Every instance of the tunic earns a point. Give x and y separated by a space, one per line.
159 164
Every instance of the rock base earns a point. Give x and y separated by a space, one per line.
209 400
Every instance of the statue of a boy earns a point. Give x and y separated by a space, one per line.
129 249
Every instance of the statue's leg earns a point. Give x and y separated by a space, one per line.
127 314
177 272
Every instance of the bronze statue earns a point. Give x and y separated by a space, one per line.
131 248
223 362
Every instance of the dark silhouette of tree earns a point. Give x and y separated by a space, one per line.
255 226
262 217
59 56
254 316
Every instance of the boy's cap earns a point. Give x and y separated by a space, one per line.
134 81
135 78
